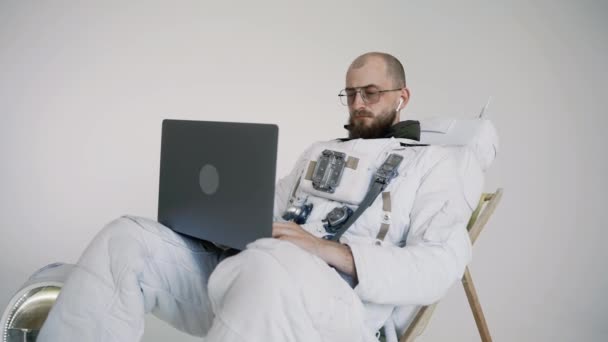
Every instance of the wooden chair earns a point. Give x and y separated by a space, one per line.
478 220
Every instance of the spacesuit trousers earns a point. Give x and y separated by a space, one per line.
271 291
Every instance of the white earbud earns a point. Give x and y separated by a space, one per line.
399 105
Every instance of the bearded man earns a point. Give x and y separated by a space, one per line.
354 262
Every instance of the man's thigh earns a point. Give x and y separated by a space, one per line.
303 292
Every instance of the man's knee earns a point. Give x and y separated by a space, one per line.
120 226
158 235
129 230
116 245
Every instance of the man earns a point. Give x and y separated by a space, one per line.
406 249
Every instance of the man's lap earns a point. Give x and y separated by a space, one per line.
278 276
329 303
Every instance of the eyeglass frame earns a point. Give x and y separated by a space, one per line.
360 91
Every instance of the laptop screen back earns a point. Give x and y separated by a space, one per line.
217 180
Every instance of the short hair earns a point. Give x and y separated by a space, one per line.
394 68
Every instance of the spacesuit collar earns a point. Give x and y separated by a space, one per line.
408 129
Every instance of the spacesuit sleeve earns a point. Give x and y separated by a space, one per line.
285 185
437 251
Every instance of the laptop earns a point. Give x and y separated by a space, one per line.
217 180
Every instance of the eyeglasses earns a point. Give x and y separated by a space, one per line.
369 94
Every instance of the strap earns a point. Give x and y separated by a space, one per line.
375 190
292 197
310 170
383 176
386 216
386 201
411 145
352 162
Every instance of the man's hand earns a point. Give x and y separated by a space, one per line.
292 232
333 253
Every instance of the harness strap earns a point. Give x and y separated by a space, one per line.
386 216
386 172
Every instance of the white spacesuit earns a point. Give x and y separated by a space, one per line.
409 247
426 247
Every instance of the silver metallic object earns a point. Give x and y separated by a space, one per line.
30 305
336 218
388 169
328 171
298 212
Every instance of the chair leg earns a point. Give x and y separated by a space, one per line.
418 324
480 320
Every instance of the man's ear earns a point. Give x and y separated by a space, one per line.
405 95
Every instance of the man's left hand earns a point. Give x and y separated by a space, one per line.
333 253
294 233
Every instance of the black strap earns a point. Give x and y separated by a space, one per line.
411 145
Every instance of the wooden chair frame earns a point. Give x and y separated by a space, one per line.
478 220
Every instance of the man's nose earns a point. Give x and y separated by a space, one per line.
358 102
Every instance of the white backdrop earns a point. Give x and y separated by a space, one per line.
84 87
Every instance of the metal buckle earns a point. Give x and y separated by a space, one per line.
328 171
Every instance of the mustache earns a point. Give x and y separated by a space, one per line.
357 114
362 114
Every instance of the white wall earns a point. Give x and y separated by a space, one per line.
84 86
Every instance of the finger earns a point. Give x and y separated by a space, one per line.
283 224
286 226
280 230
276 231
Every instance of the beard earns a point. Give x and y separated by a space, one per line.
378 128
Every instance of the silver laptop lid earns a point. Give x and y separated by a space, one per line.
217 180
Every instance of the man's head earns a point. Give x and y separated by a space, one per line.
375 92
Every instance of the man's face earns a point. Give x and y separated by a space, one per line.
371 120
